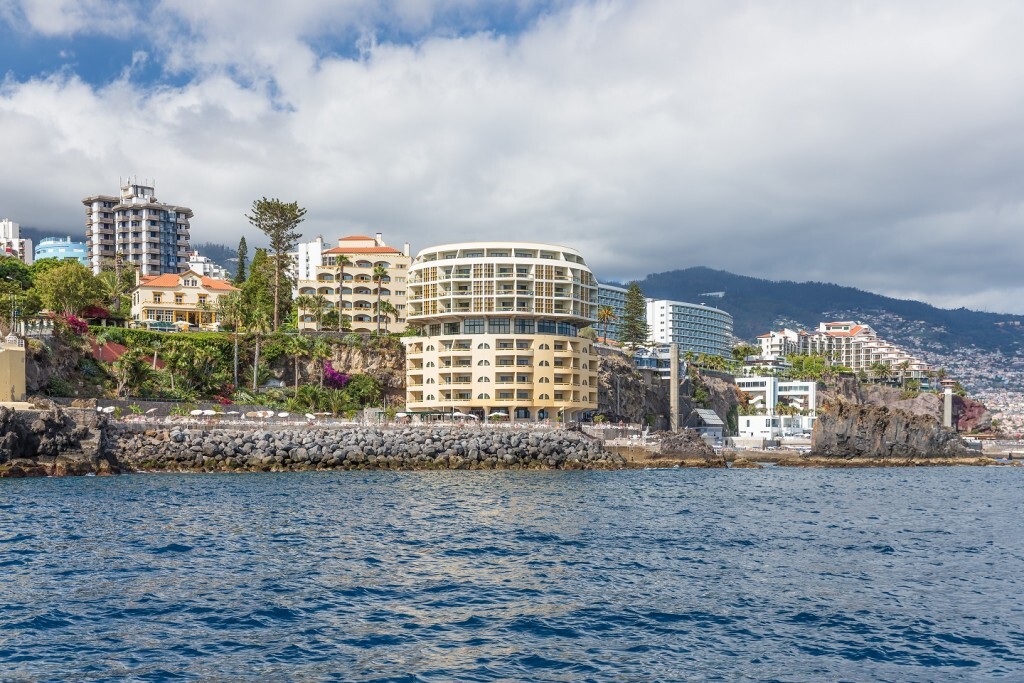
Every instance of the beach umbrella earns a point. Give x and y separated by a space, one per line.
151 410
310 416
109 409
209 412
280 414
195 413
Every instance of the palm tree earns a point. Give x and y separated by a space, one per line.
320 304
386 309
131 370
231 311
303 302
605 315
379 273
880 370
322 353
298 347
259 325
341 261
904 367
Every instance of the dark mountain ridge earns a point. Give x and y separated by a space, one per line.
759 305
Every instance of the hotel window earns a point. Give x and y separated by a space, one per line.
484 362
158 297
473 326
483 397
451 328
202 300
546 327
498 326
179 298
524 326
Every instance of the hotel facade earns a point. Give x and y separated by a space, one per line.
318 269
499 326
695 327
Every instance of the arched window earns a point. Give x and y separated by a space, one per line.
430 380
483 396
544 397
544 347
483 379
430 363
430 397
544 364
483 345
586 367
430 347
544 380
483 361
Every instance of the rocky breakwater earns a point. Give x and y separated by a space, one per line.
50 441
849 434
412 448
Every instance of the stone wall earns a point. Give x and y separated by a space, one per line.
178 449
52 441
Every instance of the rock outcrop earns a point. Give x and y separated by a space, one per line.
628 394
847 430
182 449
51 442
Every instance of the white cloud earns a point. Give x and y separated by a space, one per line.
871 144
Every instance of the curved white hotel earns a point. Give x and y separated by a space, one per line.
499 330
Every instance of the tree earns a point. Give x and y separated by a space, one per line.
633 331
303 303
320 304
68 288
881 371
606 315
741 351
131 370
257 290
259 325
242 254
321 352
297 347
278 221
341 261
231 311
379 273
386 309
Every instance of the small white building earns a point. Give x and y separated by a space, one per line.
11 243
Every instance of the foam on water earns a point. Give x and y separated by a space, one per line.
773 574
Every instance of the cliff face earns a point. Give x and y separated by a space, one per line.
846 430
627 394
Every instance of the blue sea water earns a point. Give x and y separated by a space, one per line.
774 574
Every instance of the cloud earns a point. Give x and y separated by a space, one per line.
870 144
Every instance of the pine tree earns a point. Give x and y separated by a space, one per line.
243 253
633 330
278 221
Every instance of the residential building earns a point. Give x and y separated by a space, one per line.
765 393
187 297
846 343
62 248
357 296
499 326
148 234
614 298
204 266
695 327
12 244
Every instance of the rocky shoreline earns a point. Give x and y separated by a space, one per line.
364 448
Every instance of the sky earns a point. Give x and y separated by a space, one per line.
872 144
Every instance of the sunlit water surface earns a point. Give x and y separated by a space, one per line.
894 574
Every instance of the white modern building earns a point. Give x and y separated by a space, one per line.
845 343
12 244
202 265
695 327
499 326
765 393
144 232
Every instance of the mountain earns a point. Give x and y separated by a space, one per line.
758 306
220 254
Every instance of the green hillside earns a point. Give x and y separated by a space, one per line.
759 305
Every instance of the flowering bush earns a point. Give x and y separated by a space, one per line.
95 312
74 324
333 378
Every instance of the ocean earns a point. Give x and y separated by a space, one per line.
669 575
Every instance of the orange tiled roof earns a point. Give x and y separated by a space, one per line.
363 250
355 237
171 280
